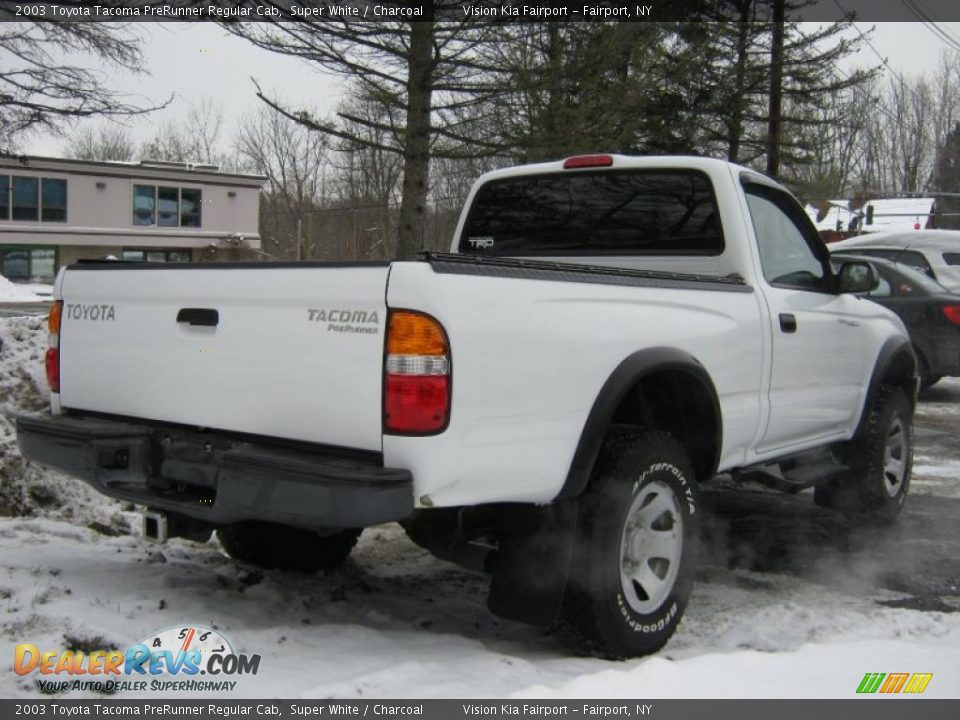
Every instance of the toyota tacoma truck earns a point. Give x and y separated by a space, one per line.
541 403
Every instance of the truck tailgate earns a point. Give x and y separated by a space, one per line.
288 352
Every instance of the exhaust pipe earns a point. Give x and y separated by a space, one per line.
155 526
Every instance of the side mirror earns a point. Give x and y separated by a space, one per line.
857 276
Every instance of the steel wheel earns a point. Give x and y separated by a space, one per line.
894 457
651 547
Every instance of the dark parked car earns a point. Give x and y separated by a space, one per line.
930 312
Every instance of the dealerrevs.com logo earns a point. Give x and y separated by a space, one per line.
178 659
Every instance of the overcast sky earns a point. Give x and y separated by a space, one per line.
194 61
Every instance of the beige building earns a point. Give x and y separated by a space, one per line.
54 212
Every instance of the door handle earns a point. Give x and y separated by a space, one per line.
203 317
848 322
788 322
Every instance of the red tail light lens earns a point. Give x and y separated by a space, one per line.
953 313
416 389
52 362
416 403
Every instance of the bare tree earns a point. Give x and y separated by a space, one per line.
196 138
106 141
835 144
910 140
43 86
908 121
422 71
367 171
294 160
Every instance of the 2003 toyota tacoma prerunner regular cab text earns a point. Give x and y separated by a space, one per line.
542 403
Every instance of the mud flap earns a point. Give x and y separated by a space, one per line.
533 561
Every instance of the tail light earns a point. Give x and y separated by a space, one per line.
52 359
587 161
416 398
953 313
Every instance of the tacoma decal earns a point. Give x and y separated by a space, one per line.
345 320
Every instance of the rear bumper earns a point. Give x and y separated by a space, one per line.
215 478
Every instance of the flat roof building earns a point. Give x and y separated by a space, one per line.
55 211
877 215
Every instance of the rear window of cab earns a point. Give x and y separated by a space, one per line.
610 212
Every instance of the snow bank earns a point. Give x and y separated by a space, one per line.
11 292
25 488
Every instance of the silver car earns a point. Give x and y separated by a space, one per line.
934 252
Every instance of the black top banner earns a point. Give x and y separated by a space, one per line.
927 11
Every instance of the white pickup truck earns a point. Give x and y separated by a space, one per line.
542 403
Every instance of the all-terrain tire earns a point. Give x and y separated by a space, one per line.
622 534
280 547
875 488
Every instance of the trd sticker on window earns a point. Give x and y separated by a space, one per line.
482 242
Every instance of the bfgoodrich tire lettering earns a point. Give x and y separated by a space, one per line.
637 535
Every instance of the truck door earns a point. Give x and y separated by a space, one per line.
818 340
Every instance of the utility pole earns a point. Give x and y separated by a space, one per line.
776 88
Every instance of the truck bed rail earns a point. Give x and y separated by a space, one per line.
458 264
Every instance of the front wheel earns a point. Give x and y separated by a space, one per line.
881 459
635 557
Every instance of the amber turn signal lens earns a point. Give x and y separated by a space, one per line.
53 319
412 333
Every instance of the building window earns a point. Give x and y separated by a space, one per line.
144 204
43 263
53 200
166 206
16 264
27 264
190 201
4 197
26 198
33 199
163 256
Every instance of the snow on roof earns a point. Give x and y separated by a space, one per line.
839 210
888 214
899 214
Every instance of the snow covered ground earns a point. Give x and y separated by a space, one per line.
394 622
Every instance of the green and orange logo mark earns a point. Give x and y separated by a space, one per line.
891 683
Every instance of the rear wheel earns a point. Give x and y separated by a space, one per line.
881 459
281 547
636 549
